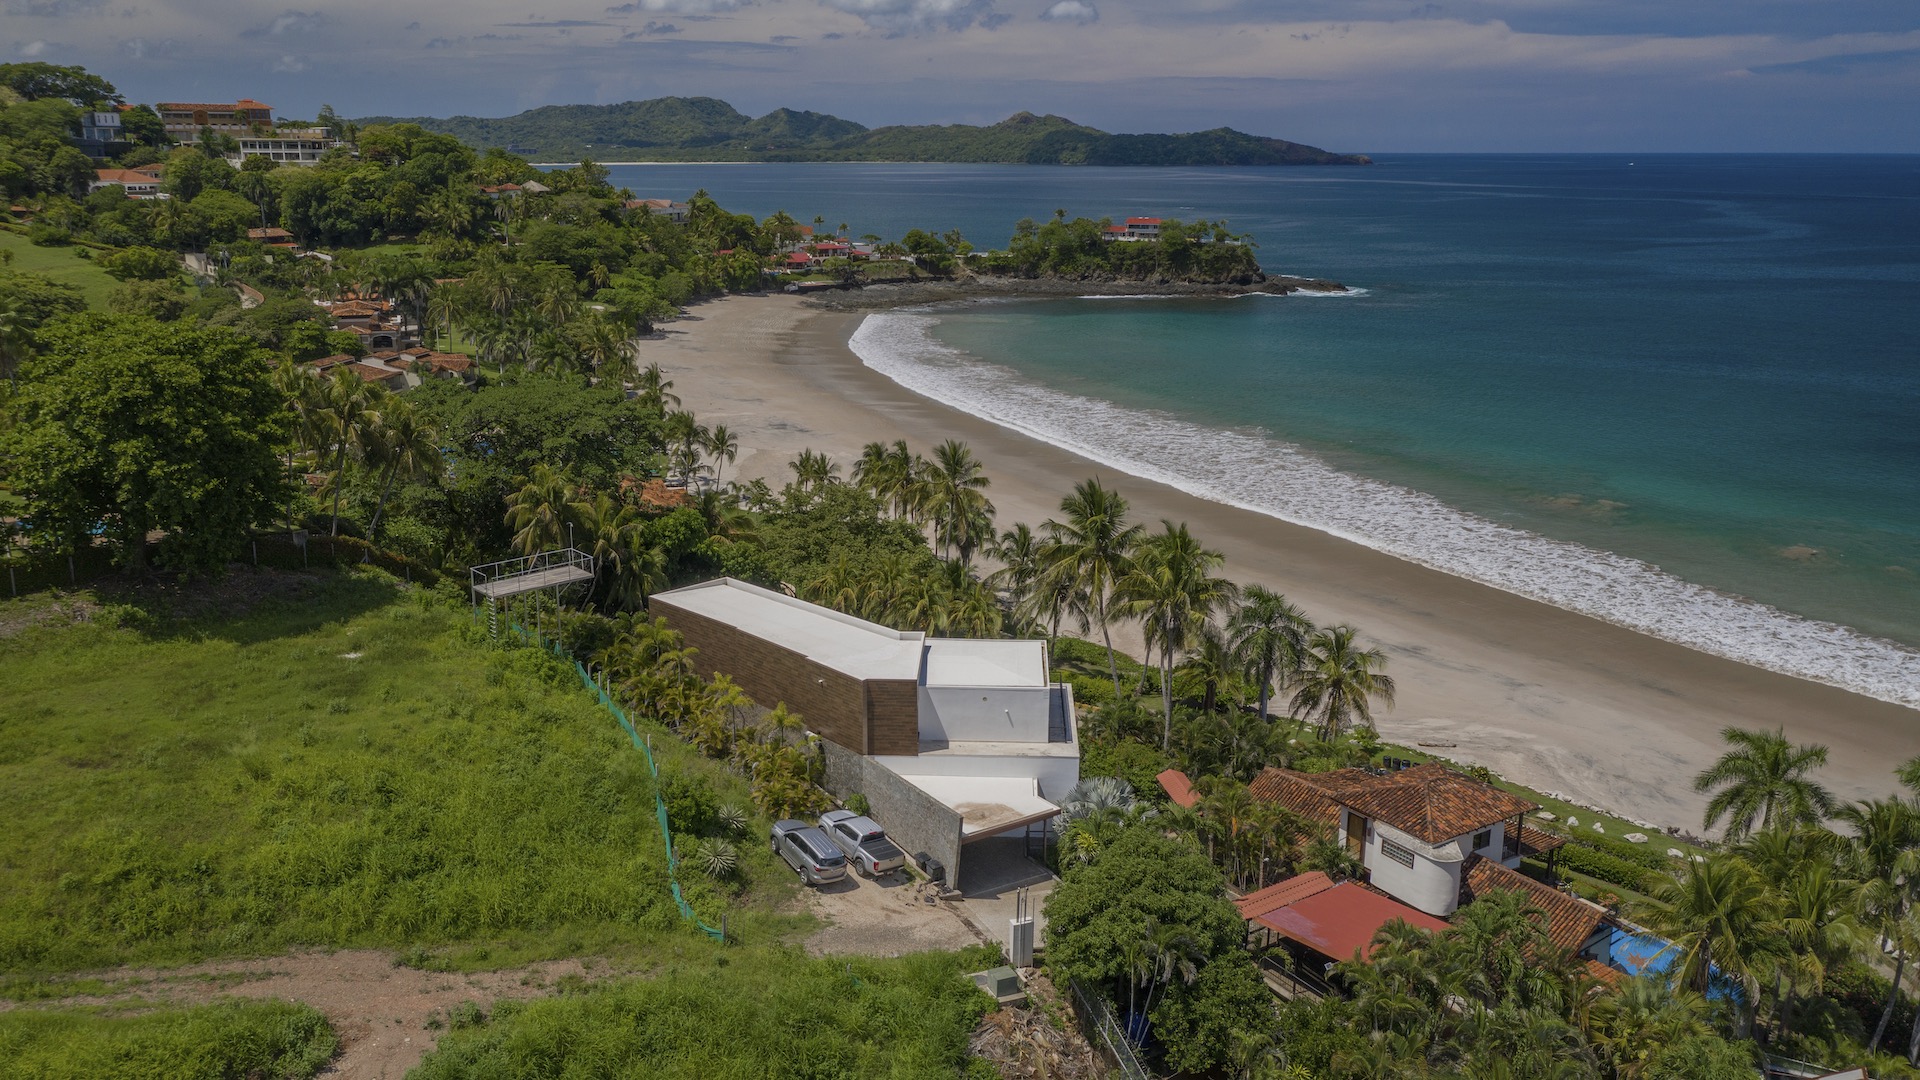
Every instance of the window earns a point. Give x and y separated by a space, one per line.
1482 839
1397 853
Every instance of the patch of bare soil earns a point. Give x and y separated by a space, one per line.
380 1011
234 593
59 609
887 916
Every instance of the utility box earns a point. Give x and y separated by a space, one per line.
1020 942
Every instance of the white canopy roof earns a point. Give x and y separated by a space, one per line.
856 647
987 805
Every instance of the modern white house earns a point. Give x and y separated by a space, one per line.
287 146
952 740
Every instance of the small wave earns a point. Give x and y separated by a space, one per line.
1131 296
1348 291
1253 471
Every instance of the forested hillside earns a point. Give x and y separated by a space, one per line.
707 129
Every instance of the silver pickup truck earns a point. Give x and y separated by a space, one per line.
864 841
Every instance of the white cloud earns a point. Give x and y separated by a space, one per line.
1078 11
33 48
679 7
289 65
292 22
909 15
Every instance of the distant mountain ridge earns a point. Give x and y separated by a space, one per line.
708 129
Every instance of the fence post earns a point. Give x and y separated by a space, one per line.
73 578
256 553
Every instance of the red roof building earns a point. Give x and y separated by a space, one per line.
1178 788
1340 922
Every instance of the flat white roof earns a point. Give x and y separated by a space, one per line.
965 662
987 805
853 646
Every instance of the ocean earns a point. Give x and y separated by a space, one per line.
1679 393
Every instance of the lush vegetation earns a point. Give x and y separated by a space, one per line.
705 129
741 1013
339 766
1201 251
272 1040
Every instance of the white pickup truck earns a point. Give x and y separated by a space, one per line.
864 841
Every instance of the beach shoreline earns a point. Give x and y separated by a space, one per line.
1550 698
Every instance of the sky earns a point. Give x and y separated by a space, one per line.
1369 76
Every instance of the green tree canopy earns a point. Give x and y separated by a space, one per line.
128 425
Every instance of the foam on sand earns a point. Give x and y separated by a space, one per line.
1254 471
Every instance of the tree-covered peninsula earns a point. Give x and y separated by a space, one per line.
707 129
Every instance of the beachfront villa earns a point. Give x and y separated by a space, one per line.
1430 841
953 741
140 183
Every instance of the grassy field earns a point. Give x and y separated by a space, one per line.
61 264
740 1014
267 1039
337 764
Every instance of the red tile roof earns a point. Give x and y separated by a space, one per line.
1430 802
1291 891
1143 221
1341 921
274 233
229 106
336 359
1570 920
124 177
1178 787
369 373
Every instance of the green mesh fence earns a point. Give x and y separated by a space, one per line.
653 768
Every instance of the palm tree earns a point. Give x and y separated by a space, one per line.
347 413
1631 1027
616 537
1017 550
1093 549
1884 856
1764 780
723 446
1268 635
404 446
1718 918
813 470
540 511
1338 681
1171 590
654 390
954 491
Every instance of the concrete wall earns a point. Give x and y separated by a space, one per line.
1432 887
916 821
984 714
833 704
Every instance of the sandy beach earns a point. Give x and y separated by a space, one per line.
1552 699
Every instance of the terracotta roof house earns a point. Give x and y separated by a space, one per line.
1334 921
1581 927
1413 829
676 212
1178 788
139 183
271 235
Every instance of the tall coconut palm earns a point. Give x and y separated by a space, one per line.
1719 920
813 470
1017 550
723 446
1093 548
654 390
1338 681
540 511
1172 590
630 567
1764 780
1883 854
954 492
1268 635
347 412
405 447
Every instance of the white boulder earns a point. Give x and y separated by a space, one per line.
1636 838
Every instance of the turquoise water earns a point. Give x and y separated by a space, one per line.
1680 393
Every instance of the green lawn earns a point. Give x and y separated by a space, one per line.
61 264
344 764
740 1014
276 1039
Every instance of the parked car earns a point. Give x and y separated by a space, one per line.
864 841
809 852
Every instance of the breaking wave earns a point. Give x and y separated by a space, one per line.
1253 471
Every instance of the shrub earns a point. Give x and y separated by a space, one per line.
1608 868
140 264
692 806
44 235
858 803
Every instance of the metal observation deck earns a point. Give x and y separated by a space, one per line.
532 573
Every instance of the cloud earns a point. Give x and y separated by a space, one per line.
292 22
142 48
289 65
1075 11
679 7
33 48
905 16
414 25
553 24
54 8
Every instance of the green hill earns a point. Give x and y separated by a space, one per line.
708 129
